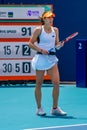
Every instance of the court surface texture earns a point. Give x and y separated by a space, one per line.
18 108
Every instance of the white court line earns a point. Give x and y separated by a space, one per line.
54 127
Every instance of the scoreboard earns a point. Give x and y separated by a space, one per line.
15 32
15 54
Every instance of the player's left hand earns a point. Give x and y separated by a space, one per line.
61 43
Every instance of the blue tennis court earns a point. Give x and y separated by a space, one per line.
18 107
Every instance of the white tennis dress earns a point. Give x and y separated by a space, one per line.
47 42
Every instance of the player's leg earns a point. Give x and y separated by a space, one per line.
55 78
38 94
54 75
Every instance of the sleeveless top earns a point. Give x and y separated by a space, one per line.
47 42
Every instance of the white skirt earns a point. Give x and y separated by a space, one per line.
43 62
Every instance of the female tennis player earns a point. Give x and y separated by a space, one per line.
42 40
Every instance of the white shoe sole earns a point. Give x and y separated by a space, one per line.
41 114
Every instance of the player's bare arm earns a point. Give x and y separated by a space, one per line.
33 39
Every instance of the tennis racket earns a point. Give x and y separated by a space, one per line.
70 37
67 39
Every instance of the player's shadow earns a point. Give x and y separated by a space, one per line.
62 117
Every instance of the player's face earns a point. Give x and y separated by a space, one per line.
49 20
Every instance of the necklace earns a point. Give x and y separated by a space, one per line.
48 30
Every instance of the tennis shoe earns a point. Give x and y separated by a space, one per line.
40 112
58 112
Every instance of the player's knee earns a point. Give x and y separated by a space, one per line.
39 83
55 83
